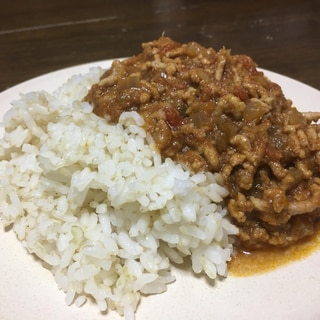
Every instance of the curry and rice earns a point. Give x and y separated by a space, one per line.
180 151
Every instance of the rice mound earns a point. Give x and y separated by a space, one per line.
99 207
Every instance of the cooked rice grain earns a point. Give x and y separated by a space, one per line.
97 205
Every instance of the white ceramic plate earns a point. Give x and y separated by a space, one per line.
28 291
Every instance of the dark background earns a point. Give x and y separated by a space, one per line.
39 36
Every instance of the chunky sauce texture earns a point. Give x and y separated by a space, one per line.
213 111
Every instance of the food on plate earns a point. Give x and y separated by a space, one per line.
97 204
178 152
215 112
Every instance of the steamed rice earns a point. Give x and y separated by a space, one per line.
99 207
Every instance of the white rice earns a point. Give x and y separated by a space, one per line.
97 205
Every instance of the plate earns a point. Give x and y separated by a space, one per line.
28 290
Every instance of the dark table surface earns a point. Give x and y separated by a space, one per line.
39 36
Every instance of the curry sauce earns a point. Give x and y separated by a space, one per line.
248 263
213 111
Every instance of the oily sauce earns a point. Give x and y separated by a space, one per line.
261 261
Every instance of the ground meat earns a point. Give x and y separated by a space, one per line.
213 111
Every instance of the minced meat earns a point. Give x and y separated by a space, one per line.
213 111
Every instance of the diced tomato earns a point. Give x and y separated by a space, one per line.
168 46
241 93
173 117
